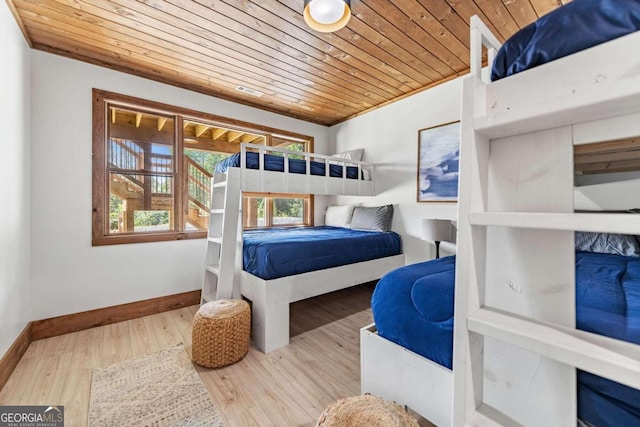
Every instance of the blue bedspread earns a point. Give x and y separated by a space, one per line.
571 28
276 163
278 252
413 306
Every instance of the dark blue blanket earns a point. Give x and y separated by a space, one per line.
413 307
571 28
278 252
276 163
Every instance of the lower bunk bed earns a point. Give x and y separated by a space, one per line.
285 265
406 355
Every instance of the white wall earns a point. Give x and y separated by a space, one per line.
615 191
389 136
15 215
68 274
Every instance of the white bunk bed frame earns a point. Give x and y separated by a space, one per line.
224 277
515 343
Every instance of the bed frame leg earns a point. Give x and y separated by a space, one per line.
270 321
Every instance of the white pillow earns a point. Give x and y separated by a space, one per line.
339 216
349 155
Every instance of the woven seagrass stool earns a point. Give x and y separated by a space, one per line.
220 334
368 410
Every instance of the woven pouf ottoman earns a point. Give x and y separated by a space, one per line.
220 334
368 410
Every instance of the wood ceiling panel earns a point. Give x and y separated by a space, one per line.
542 7
197 61
388 50
296 44
521 11
384 18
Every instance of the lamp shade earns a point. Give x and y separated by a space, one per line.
436 230
327 16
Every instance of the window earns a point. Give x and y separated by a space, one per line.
267 210
260 210
152 169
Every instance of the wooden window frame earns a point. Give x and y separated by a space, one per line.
100 191
308 208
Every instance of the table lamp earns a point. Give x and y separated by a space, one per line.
436 230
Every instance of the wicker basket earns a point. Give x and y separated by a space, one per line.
220 334
368 410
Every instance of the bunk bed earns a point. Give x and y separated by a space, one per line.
271 285
515 345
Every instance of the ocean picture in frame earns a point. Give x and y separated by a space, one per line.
439 163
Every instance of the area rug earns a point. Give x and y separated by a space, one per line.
159 389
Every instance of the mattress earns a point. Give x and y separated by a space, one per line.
278 252
276 163
413 307
571 28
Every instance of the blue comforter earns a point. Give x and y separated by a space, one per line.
278 252
571 28
413 307
276 163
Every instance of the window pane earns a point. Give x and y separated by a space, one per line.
288 145
254 212
288 211
200 167
127 154
140 203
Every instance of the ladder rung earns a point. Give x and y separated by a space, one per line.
597 222
214 269
600 355
220 184
217 211
215 239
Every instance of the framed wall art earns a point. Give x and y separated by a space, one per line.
439 163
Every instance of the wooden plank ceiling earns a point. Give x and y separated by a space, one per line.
389 49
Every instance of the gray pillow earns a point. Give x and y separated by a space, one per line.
339 216
608 243
372 218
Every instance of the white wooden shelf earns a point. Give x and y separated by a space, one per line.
600 355
596 222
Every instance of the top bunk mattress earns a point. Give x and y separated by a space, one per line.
571 28
276 163
278 252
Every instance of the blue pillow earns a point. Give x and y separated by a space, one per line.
571 28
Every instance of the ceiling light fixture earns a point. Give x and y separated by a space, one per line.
327 16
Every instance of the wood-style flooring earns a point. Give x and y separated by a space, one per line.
287 387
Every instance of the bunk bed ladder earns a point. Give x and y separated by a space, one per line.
221 279
516 346
515 284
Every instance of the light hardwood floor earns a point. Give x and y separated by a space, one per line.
287 387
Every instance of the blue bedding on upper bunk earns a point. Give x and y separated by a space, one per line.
413 307
276 163
571 28
278 252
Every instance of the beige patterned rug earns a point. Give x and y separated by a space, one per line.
159 389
